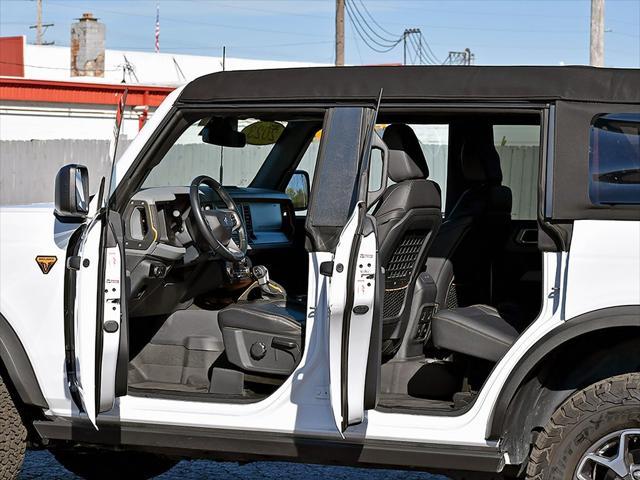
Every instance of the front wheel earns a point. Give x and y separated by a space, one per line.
108 464
13 436
595 435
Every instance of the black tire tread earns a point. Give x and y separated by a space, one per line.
618 390
13 436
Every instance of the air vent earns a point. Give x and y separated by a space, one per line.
246 213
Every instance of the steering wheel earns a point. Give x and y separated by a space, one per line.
218 224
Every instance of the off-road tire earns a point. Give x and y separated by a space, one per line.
94 464
13 436
587 416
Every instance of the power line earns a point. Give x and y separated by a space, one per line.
429 49
366 38
366 10
366 24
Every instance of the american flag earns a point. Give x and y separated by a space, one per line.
158 28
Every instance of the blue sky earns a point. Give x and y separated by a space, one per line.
498 32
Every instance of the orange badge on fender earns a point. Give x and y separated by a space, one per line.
46 263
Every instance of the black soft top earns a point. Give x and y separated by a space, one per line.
422 83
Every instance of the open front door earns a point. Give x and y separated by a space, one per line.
95 350
96 318
355 297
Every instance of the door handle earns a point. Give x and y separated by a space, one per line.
527 236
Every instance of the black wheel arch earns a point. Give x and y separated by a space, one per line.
584 350
17 369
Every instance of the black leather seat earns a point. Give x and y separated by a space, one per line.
478 331
266 337
461 258
476 227
408 218
263 336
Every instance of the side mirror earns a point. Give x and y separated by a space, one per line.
298 189
72 192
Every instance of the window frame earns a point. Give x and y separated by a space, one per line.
596 164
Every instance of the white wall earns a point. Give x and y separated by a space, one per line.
49 121
52 62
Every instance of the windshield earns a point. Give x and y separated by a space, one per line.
199 151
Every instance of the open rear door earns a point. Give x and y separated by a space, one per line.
355 299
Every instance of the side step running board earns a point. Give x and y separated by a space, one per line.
222 444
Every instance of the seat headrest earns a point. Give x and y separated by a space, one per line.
406 159
480 161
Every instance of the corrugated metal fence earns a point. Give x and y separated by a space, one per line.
28 168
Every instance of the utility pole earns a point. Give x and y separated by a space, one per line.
39 26
460 58
405 35
596 52
340 32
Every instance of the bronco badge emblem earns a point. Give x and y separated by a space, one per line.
46 262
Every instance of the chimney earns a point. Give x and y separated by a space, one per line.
87 47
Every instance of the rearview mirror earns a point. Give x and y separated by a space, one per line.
223 132
298 189
72 192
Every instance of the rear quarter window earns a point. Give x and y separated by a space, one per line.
614 159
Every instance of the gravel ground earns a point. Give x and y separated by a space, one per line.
40 464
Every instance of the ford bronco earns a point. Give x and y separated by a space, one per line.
434 268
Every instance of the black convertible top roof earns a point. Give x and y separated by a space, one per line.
428 83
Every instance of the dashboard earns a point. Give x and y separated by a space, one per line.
160 216
166 263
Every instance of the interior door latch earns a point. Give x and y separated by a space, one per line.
326 268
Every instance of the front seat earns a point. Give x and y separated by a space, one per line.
408 218
476 227
266 337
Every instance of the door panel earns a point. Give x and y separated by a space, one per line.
338 290
86 318
110 331
352 293
361 324
96 320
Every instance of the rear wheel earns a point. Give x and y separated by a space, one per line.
595 435
13 436
96 464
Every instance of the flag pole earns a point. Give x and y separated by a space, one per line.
158 27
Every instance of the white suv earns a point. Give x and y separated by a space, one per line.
423 267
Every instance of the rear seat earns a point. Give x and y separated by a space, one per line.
478 331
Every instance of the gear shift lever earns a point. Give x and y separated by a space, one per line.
261 274
268 288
